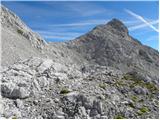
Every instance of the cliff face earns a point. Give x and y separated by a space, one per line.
103 74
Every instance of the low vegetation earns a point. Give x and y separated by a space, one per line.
64 91
102 85
20 31
119 117
134 98
143 110
138 81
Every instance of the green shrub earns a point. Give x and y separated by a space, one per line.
134 98
20 31
119 117
143 110
14 117
102 85
120 83
64 91
151 87
138 81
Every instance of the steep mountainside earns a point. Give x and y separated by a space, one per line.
103 74
20 42
111 45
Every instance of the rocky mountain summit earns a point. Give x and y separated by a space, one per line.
104 74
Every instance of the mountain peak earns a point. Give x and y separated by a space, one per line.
117 25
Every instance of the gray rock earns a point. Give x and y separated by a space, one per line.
93 112
140 90
82 112
19 103
98 106
45 65
103 117
14 92
60 117
35 102
20 92
72 96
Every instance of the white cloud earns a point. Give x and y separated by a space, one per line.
142 25
88 9
85 23
141 19
59 35
131 22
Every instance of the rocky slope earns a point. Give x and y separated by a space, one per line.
20 42
111 45
103 74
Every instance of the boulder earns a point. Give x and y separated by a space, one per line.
47 63
140 90
12 91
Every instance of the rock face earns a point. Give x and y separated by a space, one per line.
111 45
104 74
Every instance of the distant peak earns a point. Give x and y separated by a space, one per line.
115 21
118 25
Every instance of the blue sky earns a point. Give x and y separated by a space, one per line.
61 21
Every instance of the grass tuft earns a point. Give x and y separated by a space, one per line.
20 31
64 91
102 85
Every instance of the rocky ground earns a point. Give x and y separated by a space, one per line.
41 88
104 74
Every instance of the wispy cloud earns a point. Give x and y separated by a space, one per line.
142 25
85 23
57 38
89 9
59 35
141 19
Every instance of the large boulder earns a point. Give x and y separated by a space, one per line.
10 90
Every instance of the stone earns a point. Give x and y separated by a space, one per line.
56 100
140 90
102 97
60 117
115 98
14 92
93 112
82 112
35 102
6 89
60 112
47 63
20 93
103 117
72 96
19 103
98 106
